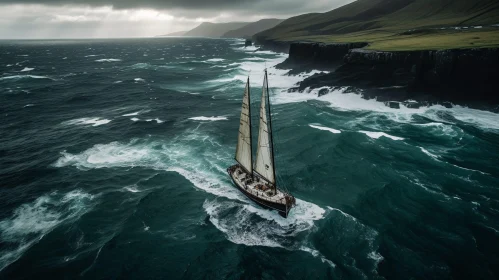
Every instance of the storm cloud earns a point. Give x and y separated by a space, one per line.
132 18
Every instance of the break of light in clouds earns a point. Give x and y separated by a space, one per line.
113 18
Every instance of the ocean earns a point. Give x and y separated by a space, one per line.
113 157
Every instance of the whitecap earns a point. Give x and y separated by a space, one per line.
202 118
27 69
332 130
428 153
215 60
28 105
87 121
135 119
376 135
108 60
139 80
17 77
131 114
156 119
30 222
132 189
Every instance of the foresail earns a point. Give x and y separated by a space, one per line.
243 150
264 163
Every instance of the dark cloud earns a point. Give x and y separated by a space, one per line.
153 4
266 6
136 18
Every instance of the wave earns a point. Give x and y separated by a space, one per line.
157 120
87 121
215 60
353 234
204 168
27 69
202 118
139 80
108 60
30 222
18 77
332 130
435 157
376 135
339 99
132 114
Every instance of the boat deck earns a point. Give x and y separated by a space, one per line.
255 189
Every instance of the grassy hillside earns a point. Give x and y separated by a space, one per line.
253 28
214 30
397 24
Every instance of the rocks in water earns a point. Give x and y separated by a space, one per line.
446 104
412 104
392 104
248 43
323 91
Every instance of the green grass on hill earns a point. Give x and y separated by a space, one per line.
397 25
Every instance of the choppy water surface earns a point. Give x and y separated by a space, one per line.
113 157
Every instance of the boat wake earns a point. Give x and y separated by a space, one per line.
231 212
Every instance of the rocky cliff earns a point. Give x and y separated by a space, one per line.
458 75
319 54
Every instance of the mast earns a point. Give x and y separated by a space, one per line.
244 153
264 164
270 127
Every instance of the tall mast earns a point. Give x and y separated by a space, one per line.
249 117
264 163
270 127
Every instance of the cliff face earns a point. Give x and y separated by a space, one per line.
459 75
320 53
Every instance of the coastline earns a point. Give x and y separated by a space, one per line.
467 76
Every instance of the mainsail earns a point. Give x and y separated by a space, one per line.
264 164
243 150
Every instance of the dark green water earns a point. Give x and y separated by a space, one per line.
113 157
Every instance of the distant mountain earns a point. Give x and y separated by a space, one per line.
251 29
178 33
214 30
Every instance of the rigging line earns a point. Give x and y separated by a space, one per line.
275 148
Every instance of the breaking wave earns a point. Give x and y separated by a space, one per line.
30 222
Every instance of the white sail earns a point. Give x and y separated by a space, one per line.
264 160
243 150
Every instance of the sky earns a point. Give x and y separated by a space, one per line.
37 19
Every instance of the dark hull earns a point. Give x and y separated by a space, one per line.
281 208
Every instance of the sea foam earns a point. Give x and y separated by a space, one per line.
87 121
332 130
202 118
30 222
376 135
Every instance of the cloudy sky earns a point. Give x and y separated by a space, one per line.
137 18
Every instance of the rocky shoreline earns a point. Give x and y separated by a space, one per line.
460 76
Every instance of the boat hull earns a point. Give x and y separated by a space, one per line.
282 209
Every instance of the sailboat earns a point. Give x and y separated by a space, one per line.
257 178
